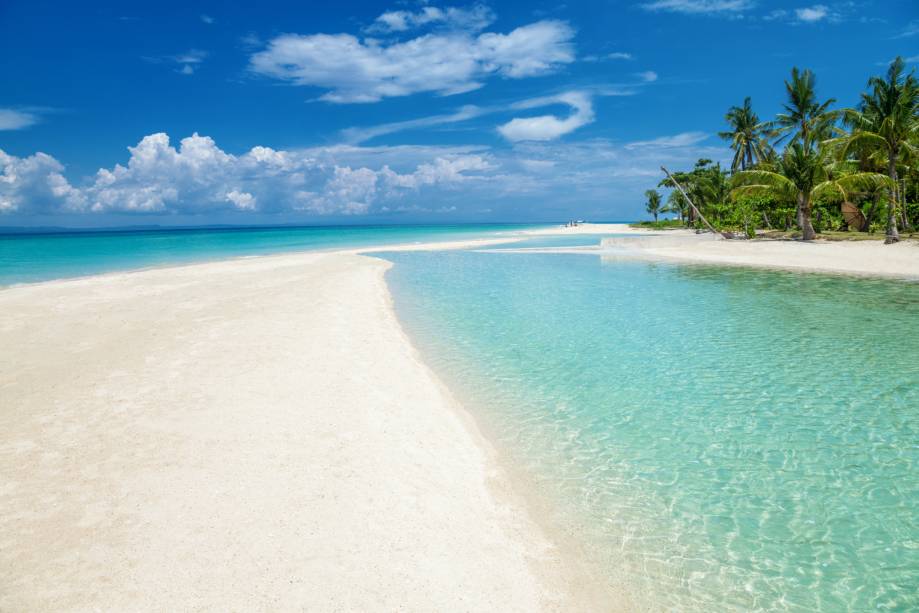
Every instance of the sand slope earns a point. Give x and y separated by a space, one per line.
246 435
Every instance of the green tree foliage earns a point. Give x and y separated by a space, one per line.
819 165
884 129
653 202
806 121
748 137
802 176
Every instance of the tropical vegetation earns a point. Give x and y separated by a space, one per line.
653 202
800 171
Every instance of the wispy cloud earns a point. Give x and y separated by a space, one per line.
549 127
700 7
207 19
12 119
649 76
186 63
190 60
684 139
475 18
465 113
545 127
816 13
911 29
616 55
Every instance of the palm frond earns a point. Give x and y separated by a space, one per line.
865 182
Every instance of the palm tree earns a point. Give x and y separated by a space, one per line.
676 204
653 204
806 121
801 176
747 136
883 125
705 184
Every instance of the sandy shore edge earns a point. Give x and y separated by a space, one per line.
854 258
257 433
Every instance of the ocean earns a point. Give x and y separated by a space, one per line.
27 258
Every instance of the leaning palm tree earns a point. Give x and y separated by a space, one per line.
805 121
653 204
883 125
747 136
802 176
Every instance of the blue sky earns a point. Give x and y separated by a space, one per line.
187 113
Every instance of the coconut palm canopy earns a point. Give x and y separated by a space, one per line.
884 128
805 121
820 157
748 136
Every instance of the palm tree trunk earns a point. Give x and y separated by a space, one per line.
804 218
892 235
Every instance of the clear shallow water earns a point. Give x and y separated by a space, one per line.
40 257
720 438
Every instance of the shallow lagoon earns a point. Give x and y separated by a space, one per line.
719 438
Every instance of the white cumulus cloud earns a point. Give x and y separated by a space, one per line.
35 182
199 177
352 70
193 180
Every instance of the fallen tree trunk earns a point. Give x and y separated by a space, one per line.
694 208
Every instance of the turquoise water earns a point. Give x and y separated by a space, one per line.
720 439
40 257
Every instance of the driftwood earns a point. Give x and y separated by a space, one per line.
694 208
853 215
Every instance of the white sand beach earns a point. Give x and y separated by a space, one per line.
864 258
254 434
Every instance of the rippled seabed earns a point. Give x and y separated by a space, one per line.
721 439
